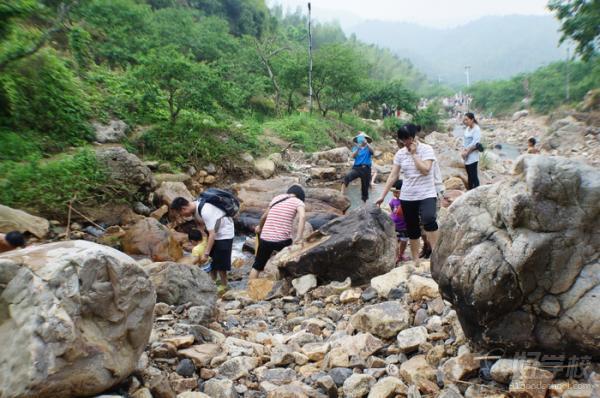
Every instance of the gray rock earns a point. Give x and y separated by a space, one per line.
53 297
339 375
18 220
358 385
359 245
220 388
114 131
178 284
126 168
369 294
383 320
142 209
237 367
506 248
185 368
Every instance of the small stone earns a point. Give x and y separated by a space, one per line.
339 287
383 320
339 375
315 351
282 355
161 309
192 394
207 374
396 293
304 284
415 368
238 367
420 317
410 339
185 368
327 384
181 341
460 368
421 287
201 354
388 387
369 294
503 370
358 385
142 393
350 295
531 382
220 388
259 288
580 390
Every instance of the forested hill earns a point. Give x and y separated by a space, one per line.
495 47
173 65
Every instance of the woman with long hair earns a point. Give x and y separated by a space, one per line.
470 153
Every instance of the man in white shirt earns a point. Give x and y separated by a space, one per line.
220 234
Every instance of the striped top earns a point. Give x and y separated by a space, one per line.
416 186
280 220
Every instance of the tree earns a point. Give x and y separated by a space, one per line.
293 70
171 77
580 22
394 94
338 76
267 50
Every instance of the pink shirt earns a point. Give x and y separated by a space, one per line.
280 220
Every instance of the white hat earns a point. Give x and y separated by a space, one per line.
369 139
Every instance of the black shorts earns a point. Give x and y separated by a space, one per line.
221 255
417 213
265 250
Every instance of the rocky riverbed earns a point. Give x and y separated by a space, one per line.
76 318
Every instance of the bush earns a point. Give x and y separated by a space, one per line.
45 187
428 118
17 147
198 139
44 96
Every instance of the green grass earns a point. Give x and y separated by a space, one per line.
45 186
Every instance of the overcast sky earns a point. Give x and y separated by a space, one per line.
436 13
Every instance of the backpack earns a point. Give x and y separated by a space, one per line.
221 199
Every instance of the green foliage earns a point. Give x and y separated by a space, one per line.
546 88
338 77
42 94
45 187
429 117
17 147
580 22
198 138
394 94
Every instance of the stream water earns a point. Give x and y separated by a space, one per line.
504 150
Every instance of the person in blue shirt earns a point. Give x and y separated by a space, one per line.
362 154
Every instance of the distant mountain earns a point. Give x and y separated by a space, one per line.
496 47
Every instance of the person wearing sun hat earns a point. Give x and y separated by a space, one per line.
362 154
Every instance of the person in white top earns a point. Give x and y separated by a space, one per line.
470 153
220 234
419 196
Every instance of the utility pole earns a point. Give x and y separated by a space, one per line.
310 63
468 73
567 70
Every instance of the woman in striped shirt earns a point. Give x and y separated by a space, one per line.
276 225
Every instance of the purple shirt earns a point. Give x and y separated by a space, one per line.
398 219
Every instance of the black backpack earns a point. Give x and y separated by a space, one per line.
221 199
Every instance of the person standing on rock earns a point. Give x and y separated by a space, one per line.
362 154
220 235
418 197
276 225
11 241
470 153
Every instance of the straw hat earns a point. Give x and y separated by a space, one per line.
369 139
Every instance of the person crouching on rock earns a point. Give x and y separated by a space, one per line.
531 148
11 241
276 225
362 154
418 196
220 235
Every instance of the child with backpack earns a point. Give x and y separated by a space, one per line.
214 209
399 223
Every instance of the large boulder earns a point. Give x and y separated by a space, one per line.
360 245
178 284
526 252
264 167
74 319
169 190
150 238
114 131
18 220
564 134
335 155
125 167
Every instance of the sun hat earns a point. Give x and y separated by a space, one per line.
362 133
